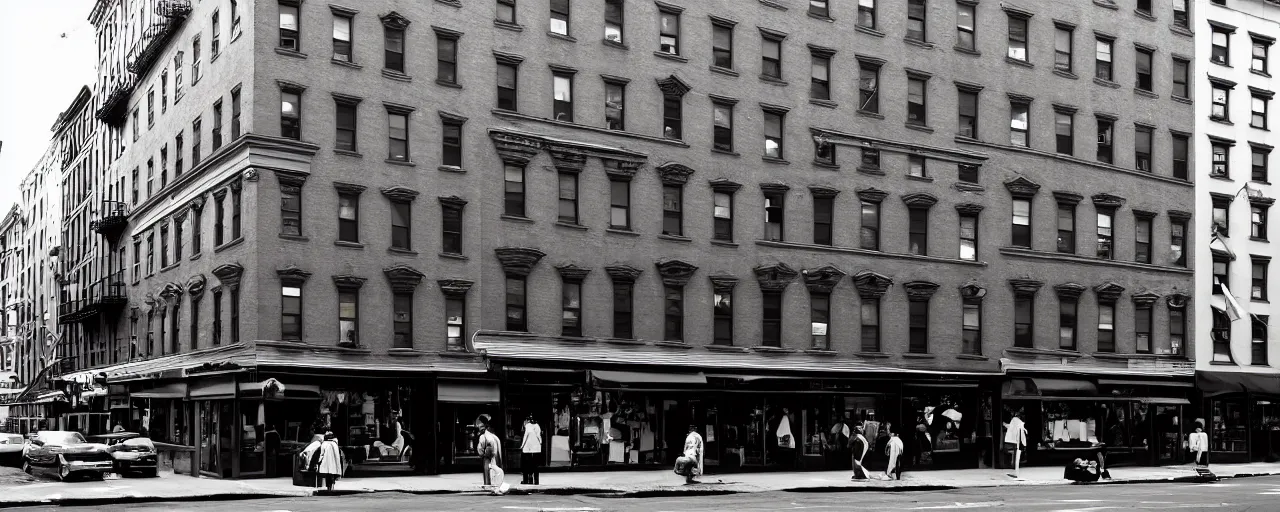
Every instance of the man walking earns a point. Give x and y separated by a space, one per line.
531 451
489 447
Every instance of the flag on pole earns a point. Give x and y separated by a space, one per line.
1233 307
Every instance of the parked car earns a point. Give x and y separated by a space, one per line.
65 454
132 453
11 449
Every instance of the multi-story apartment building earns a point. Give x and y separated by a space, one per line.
1236 371
953 212
8 291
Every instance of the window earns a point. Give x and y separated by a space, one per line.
290 115
1019 124
771 332
1106 327
451 228
771 57
571 309
219 218
164 91
1180 18
196 228
967 173
1258 352
346 126
290 314
824 152
773 215
164 245
1221 273
820 77
870 158
151 172
136 126
1142 148
177 240
820 320
673 313
1066 228
622 306
1221 100
916 166
722 312
672 216
506 12
1068 308
235 213
1259 164
513 191
394 49
215 39
819 8
348 218
348 321
1023 327
235 113
1106 139
401 217
1259 110
773 123
870 230
194 332
1062 49
291 210
151 108
1221 161
1259 61
867 14
177 77
620 204
560 17
613 21
722 114
669 33
1221 221
1142 237
1106 249
195 60
916 113
823 216
1177 331
615 112
1022 223
968 108
971 327
342 38
918 327
869 87
1143 6
1142 61
1258 222
151 253
447 58
1018 38
455 322
402 320
562 89
965 25
398 137
1178 242
1180 156
870 323
1181 78
516 320
722 216
916 20
722 46
1102 69
177 155
969 237
1221 42
217 125
918 231
451 144
1064 132
672 116
568 198
1142 317
1258 282
134 184
288 28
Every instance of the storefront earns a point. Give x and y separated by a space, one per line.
1243 415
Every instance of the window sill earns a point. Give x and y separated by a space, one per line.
823 103
968 187
1222 363
193 257
1032 351
514 27
451 3
290 53
1105 83
873 171
773 350
622 232
724 151
926 179
228 245
919 127
774 160
615 44
1181 99
402 163
773 80
293 238
826 165
876 355
1222 120
175 264
972 357
773 4
873 115
669 56
1221 177
451 168
446 83
1023 252
1066 74
916 42
672 344
724 243
868 31
396 75
1251 299
1260 73
346 64
1019 62
675 238
866 252
401 251
723 347
1144 15
821 352
1146 93
349 245
914 355
724 71
1106 4
966 51
1256 239
516 218
509 114
570 225
1181 30
348 153
453 256
1075 160
562 37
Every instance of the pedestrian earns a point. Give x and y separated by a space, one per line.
308 458
838 445
331 462
117 428
689 464
489 447
859 446
1198 443
894 451
531 451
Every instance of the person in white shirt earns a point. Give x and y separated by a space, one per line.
531 451
489 447
1198 443
689 464
894 451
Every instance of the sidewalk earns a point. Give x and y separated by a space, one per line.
171 487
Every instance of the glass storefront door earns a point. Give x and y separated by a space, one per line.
1168 440
1265 423
217 419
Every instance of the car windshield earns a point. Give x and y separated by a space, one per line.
10 439
61 438
139 443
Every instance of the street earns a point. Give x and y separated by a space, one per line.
1232 495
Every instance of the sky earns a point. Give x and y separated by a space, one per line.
47 53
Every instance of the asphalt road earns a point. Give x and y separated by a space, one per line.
1246 494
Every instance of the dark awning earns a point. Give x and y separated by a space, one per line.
650 377
1221 383
1132 382
1032 387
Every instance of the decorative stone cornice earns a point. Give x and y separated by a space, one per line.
571 273
292 275
1179 215
400 194
454 202
723 283
673 86
1069 290
348 282
622 170
518 261
196 285
293 179
1108 291
197 202
871 285
724 186
675 272
455 288
1177 300
1144 299
394 20
349 188
1144 214
920 291
822 279
250 174
823 191
672 173
567 159
973 292
403 278
1262 201
1025 287
1107 201
872 194
775 188
969 208
775 277
919 201
235 184
171 291
220 194
515 149
1022 188
1065 197
149 299
622 273
229 274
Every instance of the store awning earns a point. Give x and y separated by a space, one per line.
649 377
465 391
170 390
1034 387
1164 401
1221 383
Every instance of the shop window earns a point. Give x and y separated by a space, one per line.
723 317
516 297
455 314
1229 431
820 320
939 426
870 320
1067 313
571 307
771 335
673 313
402 320
622 308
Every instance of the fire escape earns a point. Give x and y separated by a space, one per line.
169 16
106 297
